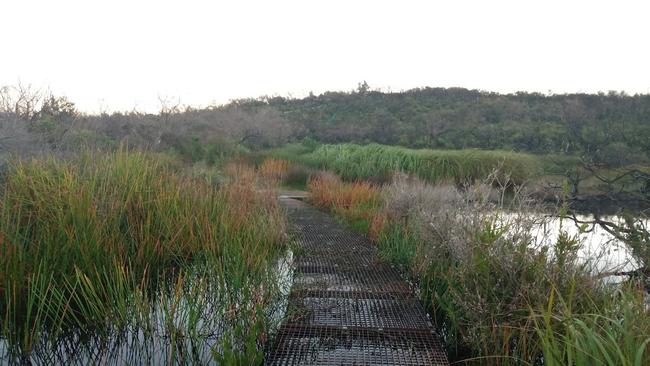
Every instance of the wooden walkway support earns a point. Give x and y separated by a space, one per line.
346 306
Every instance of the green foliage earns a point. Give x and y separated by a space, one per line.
83 139
240 347
192 150
297 176
398 246
457 118
220 150
617 335
618 154
379 162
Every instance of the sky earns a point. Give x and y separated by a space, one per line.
129 54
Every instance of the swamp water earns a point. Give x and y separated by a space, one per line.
190 323
599 250
190 327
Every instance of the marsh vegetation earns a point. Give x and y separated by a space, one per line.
157 238
125 256
499 292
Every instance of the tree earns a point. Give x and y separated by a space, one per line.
19 106
363 88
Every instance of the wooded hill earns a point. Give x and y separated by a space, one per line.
613 127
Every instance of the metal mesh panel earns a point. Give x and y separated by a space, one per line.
353 309
376 278
336 346
346 306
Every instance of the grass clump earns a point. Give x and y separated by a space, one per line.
285 171
119 240
617 335
355 202
274 169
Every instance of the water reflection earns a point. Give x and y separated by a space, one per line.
185 328
599 249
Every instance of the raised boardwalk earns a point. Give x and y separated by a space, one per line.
347 307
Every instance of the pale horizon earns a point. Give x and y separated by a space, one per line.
123 55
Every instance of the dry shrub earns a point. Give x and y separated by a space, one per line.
450 216
482 266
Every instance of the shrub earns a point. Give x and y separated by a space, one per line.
297 176
480 267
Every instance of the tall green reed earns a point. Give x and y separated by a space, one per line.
379 162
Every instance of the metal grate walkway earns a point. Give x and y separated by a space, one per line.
346 307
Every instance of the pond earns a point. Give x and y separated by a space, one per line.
598 248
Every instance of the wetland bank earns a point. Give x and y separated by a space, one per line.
135 238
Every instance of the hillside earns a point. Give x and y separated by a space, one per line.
609 129
610 126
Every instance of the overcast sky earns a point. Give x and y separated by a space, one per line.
120 55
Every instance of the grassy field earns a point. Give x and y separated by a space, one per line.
109 243
496 297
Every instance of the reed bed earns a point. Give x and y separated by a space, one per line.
124 240
379 162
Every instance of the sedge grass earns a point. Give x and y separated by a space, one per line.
86 245
379 162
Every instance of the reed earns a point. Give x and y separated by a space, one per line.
618 334
274 169
356 202
90 244
378 162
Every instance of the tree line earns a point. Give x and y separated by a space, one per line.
610 128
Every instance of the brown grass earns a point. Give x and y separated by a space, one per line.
356 201
324 187
274 170
378 224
